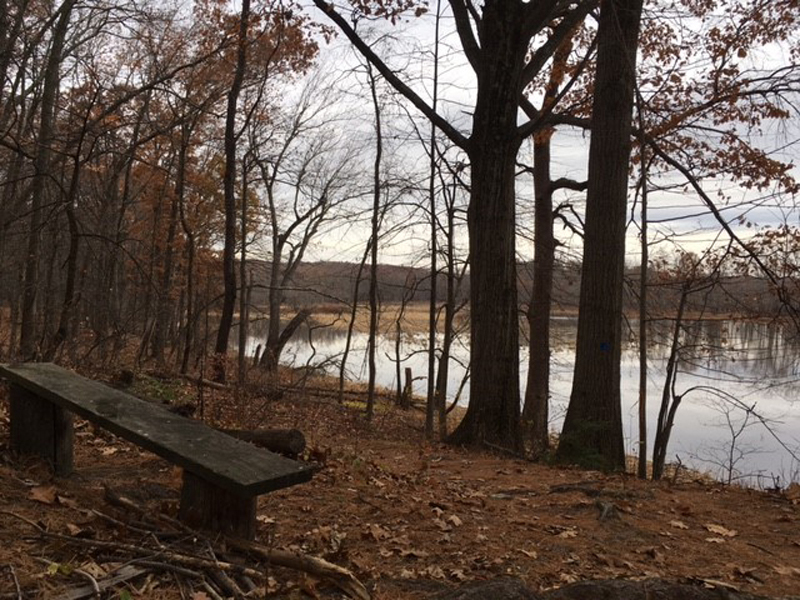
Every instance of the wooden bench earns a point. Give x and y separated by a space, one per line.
222 476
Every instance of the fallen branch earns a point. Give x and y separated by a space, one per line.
341 577
123 574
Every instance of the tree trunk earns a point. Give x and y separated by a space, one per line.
592 433
449 318
243 319
41 175
535 415
229 180
164 299
270 358
493 412
351 323
373 266
430 407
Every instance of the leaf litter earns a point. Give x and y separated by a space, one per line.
407 516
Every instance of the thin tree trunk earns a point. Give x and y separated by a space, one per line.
666 413
449 318
191 296
164 298
373 268
430 410
41 167
351 323
229 181
641 470
243 324
535 415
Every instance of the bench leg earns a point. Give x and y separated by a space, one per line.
206 506
40 427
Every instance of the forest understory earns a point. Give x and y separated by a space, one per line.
408 518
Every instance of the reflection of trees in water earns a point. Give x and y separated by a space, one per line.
747 350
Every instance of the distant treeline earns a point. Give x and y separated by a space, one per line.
333 283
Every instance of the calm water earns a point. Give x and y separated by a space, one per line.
722 362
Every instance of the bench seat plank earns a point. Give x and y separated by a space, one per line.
218 458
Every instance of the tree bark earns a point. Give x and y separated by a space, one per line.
373 266
493 412
41 175
535 414
592 433
229 181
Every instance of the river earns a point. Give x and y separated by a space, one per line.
725 364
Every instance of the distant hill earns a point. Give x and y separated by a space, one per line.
333 283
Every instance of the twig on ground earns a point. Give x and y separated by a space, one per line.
15 580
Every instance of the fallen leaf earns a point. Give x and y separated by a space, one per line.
678 525
454 520
93 569
720 530
68 502
46 494
715 540
787 571
413 553
111 450
530 553
200 596
442 525
793 493
377 532
73 529
569 533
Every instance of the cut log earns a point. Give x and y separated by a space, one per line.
289 442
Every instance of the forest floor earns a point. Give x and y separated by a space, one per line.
407 517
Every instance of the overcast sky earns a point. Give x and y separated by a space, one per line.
409 50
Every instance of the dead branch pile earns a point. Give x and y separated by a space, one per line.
166 552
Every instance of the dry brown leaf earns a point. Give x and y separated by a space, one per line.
414 553
678 525
46 494
377 532
458 574
68 502
720 530
200 596
530 553
787 571
442 525
570 532
73 529
793 493
715 540
454 521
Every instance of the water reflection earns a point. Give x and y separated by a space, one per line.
757 364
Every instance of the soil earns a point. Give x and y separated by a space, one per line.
410 519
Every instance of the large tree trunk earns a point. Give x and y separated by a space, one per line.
535 415
493 412
592 434
228 268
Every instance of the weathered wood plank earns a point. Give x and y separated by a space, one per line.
41 428
206 506
212 455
